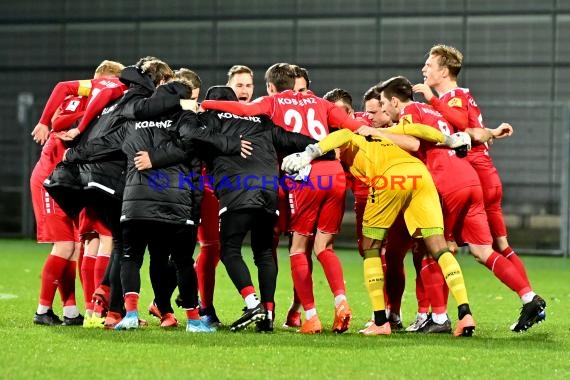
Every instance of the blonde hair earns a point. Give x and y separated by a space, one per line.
449 57
157 70
109 69
239 69
188 77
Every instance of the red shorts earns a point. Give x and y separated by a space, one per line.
492 197
53 225
465 218
319 202
284 216
90 222
209 228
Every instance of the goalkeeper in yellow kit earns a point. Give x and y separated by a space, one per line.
397 183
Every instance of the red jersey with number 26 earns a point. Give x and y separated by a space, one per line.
299 113
449 172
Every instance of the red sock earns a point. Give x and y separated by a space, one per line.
505 271
192 314
433 283
87 273
206 264
131 302
333 271
511 255
247 291
270 307
302 279
296 299
51 274
99 270
67 283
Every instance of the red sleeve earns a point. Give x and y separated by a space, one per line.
97 103
64 122
262 107
457 116
337 117
58 95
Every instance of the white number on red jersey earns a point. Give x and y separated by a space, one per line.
315 128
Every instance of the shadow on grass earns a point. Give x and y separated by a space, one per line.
283 338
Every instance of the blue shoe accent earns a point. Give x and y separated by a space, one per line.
130 321
211 320
198 326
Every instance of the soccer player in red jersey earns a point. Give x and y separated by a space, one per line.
69 102
459 108
461 194
293 319
311 206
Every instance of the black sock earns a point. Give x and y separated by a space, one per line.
463 310
380 317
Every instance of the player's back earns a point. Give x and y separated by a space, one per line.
302 113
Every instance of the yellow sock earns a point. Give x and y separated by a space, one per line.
374 279
454 278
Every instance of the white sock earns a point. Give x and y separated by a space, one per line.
387 313
338 299
439 318
42 309
251 301
269 315
422 316
527 297
310 313
70 311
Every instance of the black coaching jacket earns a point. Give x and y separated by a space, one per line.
99 180
167 192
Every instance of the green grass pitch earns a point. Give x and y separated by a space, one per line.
39 352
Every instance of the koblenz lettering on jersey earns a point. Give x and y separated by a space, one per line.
227 115
153 124
295 102
431 111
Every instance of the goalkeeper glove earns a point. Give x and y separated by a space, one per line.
457 140
297 161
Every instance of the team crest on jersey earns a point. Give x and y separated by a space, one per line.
455 102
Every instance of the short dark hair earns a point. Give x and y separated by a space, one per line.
338 94
281 76
373 92
301 72
399 87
